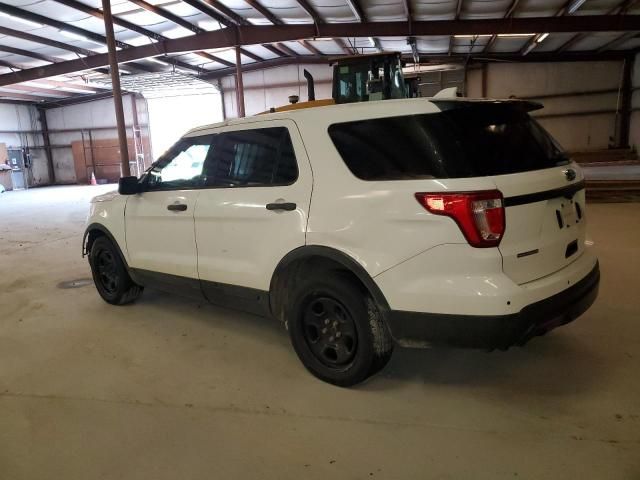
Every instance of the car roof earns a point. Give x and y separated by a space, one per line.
375 109
388 107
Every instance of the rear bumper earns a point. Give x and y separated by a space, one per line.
415 329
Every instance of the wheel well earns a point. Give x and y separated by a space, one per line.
317 266
92 236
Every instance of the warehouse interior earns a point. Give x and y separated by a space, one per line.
92 90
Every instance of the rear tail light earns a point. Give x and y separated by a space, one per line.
480 215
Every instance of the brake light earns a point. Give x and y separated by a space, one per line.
480 215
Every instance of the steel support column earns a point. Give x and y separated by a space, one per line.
115 85
224 109
239 85
623 117
484 77
42 113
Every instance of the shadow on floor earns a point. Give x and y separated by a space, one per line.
559 363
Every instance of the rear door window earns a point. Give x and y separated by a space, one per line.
256 157
470 140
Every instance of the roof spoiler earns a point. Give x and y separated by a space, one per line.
451 92
457 103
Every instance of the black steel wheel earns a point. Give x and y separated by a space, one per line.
107 271
337 330
330 331
110 274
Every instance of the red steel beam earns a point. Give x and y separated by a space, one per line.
22 96
42 90
253 34
115 85
508 14
44 41
141 30
620 9
30 54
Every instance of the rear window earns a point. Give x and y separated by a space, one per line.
253 158
465 141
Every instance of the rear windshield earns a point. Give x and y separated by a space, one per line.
466 141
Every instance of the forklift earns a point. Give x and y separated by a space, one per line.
360 78
364 78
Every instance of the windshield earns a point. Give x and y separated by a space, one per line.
471 140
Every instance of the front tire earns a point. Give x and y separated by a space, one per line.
110 275
337 330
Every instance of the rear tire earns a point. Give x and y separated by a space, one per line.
110 275
337 330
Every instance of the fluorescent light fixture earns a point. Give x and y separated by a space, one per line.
156 60
575 5
21 20
77 90
75 36
177 32
472 36
209 25
37 84
542 37
516 35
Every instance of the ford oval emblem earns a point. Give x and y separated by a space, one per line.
570 174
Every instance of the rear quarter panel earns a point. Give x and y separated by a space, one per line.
378 223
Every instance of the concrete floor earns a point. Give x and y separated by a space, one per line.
170 389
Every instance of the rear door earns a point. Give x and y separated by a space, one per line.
254 209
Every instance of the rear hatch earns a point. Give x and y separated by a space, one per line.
479 145
543 191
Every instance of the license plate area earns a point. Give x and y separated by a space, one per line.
568 213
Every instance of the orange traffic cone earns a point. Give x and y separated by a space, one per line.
93 179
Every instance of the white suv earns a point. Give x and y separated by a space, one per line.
360 226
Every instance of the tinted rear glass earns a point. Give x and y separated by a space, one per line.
466 141
251 158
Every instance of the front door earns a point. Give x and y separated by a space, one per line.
160 221
253 211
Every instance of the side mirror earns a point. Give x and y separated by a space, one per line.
129 186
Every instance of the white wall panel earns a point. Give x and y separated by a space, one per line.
23 118
271 87
574 132
84 116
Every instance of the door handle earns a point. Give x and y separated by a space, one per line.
177 207
287 206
